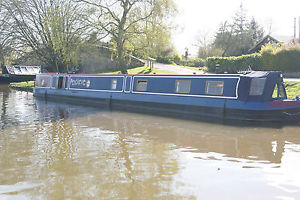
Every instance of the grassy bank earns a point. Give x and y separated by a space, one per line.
292 89
28 86
204 69
138 70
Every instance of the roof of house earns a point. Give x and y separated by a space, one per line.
262 42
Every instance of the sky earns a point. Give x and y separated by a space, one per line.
201 18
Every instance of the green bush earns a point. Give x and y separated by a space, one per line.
270 58
176 58
235 64
285 59
194 62
164 60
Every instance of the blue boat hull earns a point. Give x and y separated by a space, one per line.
219 97
205 111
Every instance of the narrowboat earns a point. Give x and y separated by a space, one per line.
17 73
253 96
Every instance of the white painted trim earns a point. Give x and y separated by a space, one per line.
186 95
42 87
130 80
237 88
91 90
124 84
198 77
78 76
189 95
132 84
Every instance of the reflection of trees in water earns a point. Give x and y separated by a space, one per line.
14 142
75 158
19 159
4 120
147 165
16 108
251 142
86 163
241 143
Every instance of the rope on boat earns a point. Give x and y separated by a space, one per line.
291 114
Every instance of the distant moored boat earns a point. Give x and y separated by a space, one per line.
17 73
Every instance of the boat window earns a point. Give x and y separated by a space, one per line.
214 87
24 70
141 85
182 86
30 70
279 91
113 84
17 70
257 86
66 82
60 83
43 81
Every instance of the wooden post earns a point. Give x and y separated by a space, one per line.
295 27
151 63
299 26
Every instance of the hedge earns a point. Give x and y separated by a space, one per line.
285 59
195 62
235 64
164 60
270 58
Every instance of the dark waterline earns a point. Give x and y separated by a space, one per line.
56 150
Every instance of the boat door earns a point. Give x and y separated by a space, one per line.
61 82
128 80
43 82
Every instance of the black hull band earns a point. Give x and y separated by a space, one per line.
186 111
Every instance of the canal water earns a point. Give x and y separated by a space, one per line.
55 150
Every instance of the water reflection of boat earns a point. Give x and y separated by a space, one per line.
19 73
256 145
257 96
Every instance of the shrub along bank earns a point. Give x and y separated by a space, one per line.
234 64
270 58
285 59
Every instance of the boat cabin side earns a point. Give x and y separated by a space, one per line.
262 87
209 86
255 86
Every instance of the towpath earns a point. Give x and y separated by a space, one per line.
292 79
176 69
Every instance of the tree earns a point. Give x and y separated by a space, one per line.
6 39
255 31
122 20
51 29
238 37
155 40
205 46
224 38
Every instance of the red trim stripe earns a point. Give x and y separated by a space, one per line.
278 104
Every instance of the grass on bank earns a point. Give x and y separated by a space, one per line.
28 84
138 70
292 89
196 68
204 69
